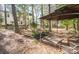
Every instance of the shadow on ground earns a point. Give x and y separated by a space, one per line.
3 50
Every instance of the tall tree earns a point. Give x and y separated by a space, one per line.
42 22
50 25
36 13
1 20
15 18
5 13
28 17
33 13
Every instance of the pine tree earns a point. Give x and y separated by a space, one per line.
15 18
5 16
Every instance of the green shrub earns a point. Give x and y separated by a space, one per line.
35 33
34 25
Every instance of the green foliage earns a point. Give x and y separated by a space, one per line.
22 10
1 19
23 7
66 22
38 35
34 33
34 25
46 23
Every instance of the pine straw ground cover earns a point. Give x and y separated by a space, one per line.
13 43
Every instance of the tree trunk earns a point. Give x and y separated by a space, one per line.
28 20
36 17
42 22
78 25
50 24
33 13
24 18
15 18
5 16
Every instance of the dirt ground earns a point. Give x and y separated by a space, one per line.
13 43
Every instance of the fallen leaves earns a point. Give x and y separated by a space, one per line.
15 43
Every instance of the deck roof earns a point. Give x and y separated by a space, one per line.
66 12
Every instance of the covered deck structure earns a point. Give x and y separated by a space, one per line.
66 12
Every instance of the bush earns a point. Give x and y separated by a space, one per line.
34 33
37 34
34 25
